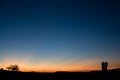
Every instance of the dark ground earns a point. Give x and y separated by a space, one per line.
95 75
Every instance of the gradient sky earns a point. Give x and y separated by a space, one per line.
54 35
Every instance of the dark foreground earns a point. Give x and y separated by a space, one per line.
96 75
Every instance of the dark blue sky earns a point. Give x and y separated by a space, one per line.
58 31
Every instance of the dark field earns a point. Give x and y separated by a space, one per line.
95 75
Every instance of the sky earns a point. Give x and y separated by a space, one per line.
59 35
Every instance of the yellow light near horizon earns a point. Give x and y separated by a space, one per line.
25 64
48 68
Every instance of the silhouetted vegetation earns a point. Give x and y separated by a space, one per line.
13 74
104 66
13 68
95 75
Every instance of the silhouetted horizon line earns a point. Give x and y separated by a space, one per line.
64 71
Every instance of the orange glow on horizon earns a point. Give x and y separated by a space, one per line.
52 68
25 64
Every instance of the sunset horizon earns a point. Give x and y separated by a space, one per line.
49 66
59 35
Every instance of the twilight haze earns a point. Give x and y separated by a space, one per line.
59 35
